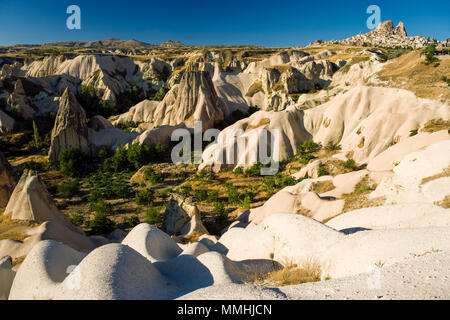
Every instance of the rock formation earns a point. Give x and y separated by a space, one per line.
194 98
238 144
6 123
31 201
182 217
70 128
8 180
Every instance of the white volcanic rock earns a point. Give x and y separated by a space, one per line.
407 185
408 215
6 277
285 237
152 243
98 123
156 72
44 67
142 112
367 120
46 265
109 75
182 217
18 100
70 129
194 98
238 143
31 201
388 159
8 180
6 123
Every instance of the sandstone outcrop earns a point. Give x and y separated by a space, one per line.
182 217
70 128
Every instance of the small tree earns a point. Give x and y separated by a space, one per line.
145 197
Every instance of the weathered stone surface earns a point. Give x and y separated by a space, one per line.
182 217
70 128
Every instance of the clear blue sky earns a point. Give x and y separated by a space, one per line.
211 22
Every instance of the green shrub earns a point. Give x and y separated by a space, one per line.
77 219
119 161
161 93
72 162
154 176
322 171
101 224
152 216
413 132
221 214
101 207
429 53
201 195
145 197
254 170
233 195
160 149
213 196
305 158
132 221
307 147
363 189
181 175
350 164
138 155
445 79
332 147
68 189
186 189
287 181
238 171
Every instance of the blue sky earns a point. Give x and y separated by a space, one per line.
272 23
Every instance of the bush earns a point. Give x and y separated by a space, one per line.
221 214
413 132
429 52
181 175
254 170
68 189
152 216
233 195
213 196
119 161
305 158
350 164
77 219
153 176
145 197
101 207
322 171
332 147
132 221
238 171
161 93
186 189
287 181
307 147
201 195
101 224
72 162
138 155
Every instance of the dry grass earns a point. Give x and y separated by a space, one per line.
193 237
436 125
261 123
358 199
323 186
13 229
444 173
445 203
354 60
254 89
292 274
408 72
